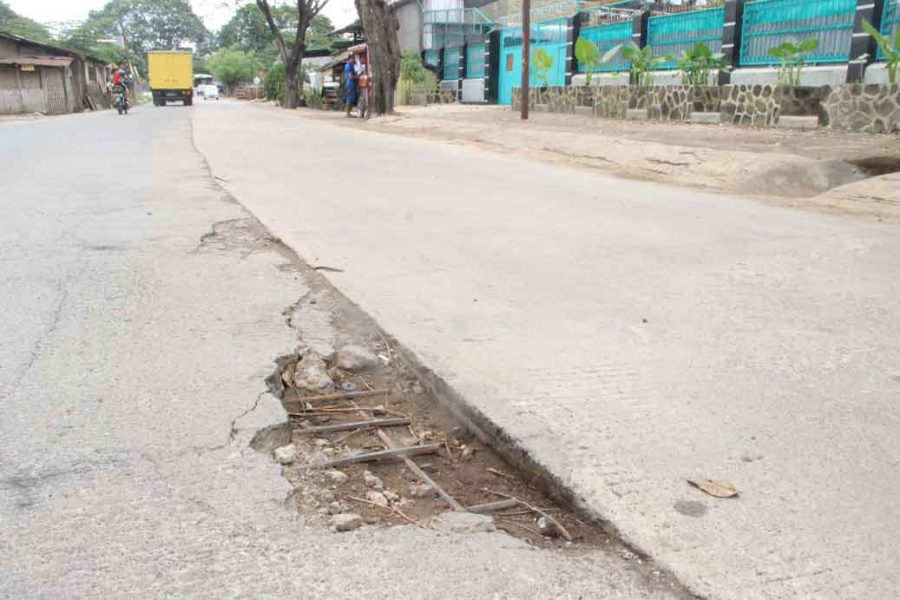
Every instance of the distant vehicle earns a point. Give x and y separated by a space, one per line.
198 91
171 76
210 92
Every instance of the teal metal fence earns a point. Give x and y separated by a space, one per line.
890 22
672 34
769 23
475 61
605 37
451 63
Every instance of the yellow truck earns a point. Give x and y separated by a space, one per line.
171 76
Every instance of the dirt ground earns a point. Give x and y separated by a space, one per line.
827 171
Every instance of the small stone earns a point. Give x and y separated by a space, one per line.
355 359
428 467
286 454
468 453
377 498
421 490
321 442
391 496
337 476
312 374
345 521
373 481
464 522
417 389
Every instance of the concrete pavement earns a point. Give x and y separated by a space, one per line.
133 349
627 335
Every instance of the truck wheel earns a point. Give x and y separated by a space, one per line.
188 101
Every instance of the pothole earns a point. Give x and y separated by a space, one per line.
875 166
349 420
487 491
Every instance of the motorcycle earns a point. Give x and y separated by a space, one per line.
120 98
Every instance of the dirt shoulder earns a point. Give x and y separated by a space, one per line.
822 170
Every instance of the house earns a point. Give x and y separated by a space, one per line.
38 77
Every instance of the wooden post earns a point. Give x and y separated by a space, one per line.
526 55
863 49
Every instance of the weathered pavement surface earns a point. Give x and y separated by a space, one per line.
628 335
132 356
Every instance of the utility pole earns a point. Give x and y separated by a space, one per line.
526 54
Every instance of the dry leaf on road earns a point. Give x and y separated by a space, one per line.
719 489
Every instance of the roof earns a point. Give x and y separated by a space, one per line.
340 58
354 26
40 61
16 38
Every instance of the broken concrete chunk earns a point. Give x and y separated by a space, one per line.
377 498
312 374
355 359
346 521
464 522
337 476
421 491
286 454
372 481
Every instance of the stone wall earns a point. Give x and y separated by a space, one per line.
864 108
856 107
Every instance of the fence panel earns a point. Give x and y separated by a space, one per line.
475 61
432 57
605 37
451 63
890 22
768 23
672 34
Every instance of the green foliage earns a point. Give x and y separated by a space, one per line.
274 83
541 62
312 98
15 24
587 54
890 49
247 30
642 63
231 66
792 59
141 25
698 63
411 67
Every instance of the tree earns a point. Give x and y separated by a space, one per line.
381 26
291 52
231 66
248 31
15 24
140 25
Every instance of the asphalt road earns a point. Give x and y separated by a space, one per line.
627 335
133 352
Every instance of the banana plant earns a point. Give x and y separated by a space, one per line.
587 54
890 49
698 63
542 62
642 63
792 59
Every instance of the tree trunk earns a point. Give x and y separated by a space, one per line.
381 27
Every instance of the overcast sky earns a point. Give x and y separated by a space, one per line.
214 13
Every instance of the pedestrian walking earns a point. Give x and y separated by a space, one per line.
351 93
